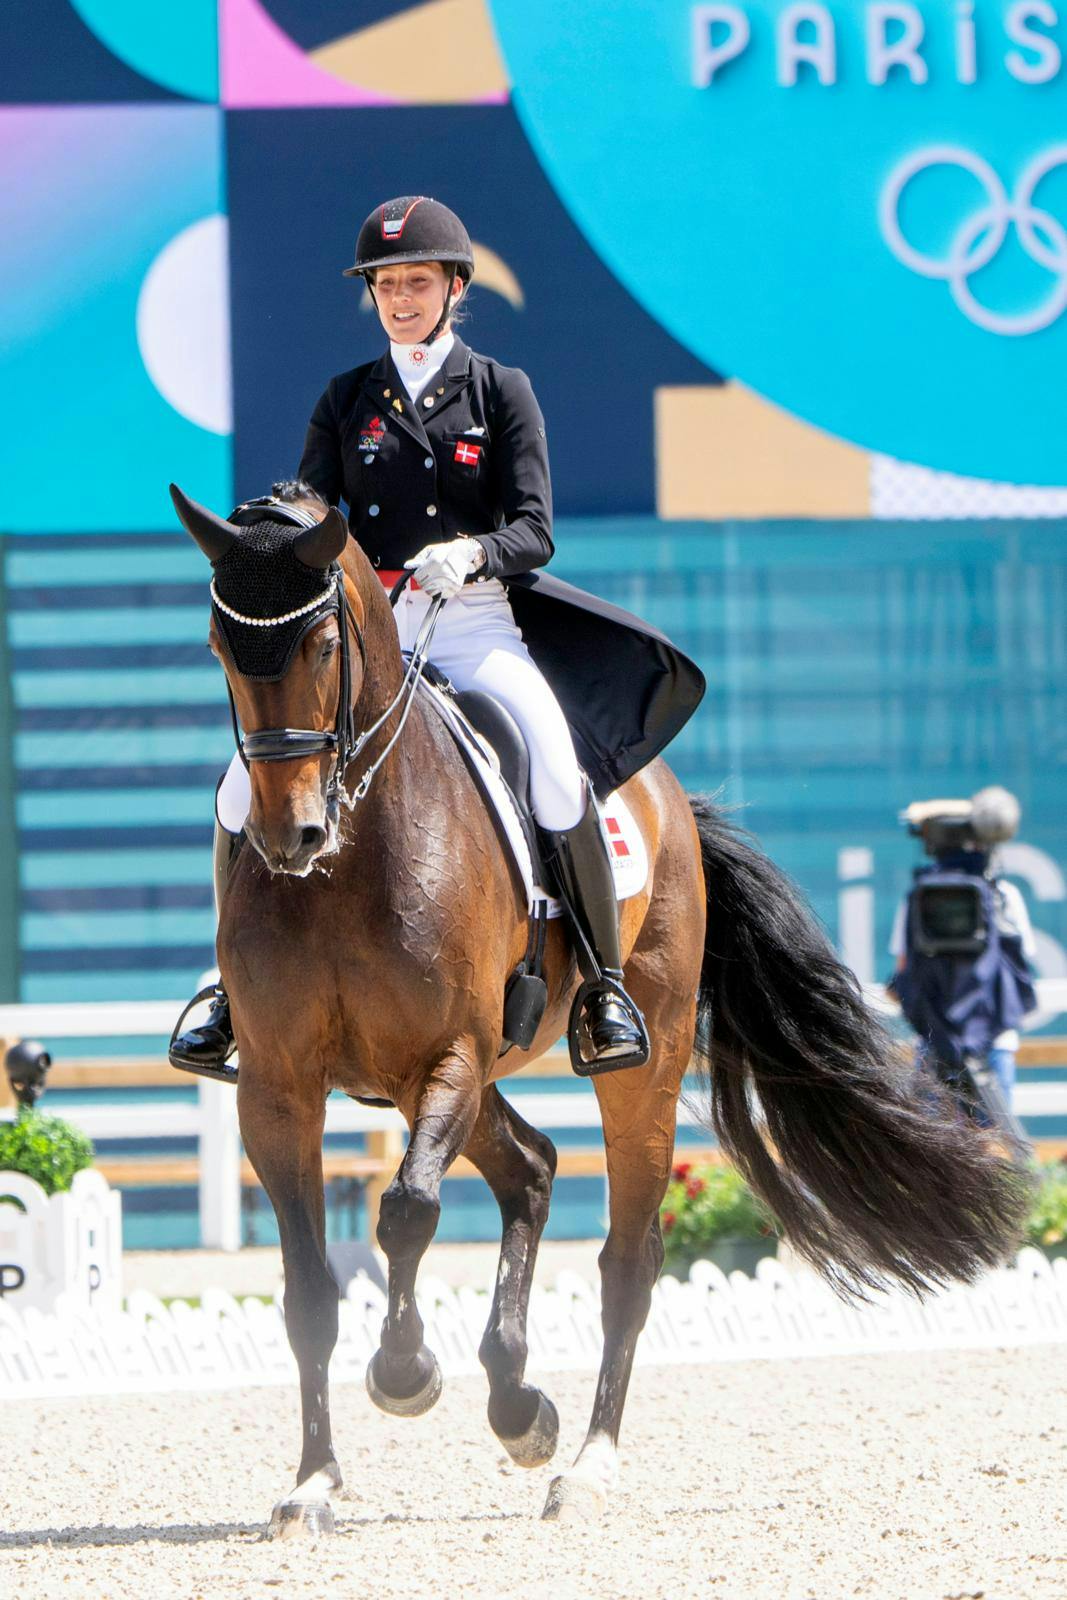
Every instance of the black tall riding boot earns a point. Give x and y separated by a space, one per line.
610 1029
204 1050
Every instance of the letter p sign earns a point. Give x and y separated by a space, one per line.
12 1277
709 52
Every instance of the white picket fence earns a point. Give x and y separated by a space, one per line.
777 1314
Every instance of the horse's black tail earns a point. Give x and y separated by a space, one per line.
871 1175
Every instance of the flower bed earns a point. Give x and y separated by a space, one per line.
710 1213
1047 1225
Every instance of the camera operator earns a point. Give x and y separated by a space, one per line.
963 944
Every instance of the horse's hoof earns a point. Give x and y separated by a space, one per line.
538 1444
301 1519
409 1405
574 1499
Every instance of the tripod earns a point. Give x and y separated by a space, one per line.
977 1090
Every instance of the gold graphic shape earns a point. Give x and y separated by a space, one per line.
442 52
722 451
492 272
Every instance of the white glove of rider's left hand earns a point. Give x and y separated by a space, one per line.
441 569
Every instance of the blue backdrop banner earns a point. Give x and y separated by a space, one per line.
860 210
542 298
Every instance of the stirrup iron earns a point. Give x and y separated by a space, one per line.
592 1067
221 1074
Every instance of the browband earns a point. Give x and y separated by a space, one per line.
248 512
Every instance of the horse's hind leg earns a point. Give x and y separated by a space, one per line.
638 1108
283 1138
403 1376
518 1163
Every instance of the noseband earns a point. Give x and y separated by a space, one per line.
292 744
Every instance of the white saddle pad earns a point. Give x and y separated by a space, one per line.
626 847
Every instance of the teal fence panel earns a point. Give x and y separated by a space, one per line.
852 667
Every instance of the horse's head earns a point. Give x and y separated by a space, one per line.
288 631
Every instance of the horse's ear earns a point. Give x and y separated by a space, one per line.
323 543
212 534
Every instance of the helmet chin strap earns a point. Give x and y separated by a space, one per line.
446 308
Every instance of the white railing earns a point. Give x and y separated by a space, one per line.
212 1119
775 1315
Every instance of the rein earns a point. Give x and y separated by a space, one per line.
411 680
292 744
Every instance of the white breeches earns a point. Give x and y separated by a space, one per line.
478 645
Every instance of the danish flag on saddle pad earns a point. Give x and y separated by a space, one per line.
468 454
618 843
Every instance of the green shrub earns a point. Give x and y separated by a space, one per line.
46 1149
1047 1224
704 1205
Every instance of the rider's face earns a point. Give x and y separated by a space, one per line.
410 299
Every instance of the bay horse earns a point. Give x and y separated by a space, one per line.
365 947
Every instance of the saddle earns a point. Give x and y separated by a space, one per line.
485 731
495 752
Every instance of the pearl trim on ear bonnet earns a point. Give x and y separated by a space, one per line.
266 599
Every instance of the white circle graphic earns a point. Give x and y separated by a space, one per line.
183 324
980 236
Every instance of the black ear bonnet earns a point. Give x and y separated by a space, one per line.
259 576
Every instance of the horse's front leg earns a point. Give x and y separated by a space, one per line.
403 1376
518 1163
282 1133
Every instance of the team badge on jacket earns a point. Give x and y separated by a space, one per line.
467 454
372 434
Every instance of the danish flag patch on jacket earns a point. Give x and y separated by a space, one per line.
467 454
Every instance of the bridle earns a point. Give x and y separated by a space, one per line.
293 744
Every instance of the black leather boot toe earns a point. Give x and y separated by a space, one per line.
612 1031
204 1050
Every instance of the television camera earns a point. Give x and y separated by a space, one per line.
955 944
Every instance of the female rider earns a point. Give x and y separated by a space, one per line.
441 457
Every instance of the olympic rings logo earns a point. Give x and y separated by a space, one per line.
981 235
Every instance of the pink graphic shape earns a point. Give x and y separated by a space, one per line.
261 66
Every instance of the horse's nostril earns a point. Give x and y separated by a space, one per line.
312 837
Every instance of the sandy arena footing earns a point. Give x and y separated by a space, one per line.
919 1477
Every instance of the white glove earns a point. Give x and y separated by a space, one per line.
441 569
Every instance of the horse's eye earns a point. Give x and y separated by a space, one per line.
328 648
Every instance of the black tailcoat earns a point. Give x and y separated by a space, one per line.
469 457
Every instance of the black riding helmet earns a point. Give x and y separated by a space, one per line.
414 228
